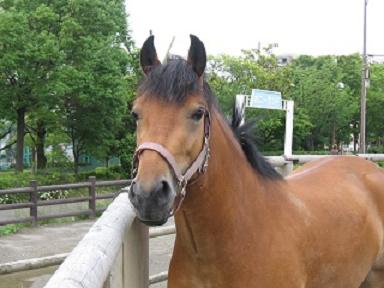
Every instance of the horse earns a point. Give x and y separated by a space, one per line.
238 222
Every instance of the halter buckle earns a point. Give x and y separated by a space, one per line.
183 186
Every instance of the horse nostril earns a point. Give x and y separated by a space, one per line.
163 189
132 193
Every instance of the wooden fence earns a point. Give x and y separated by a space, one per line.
34 202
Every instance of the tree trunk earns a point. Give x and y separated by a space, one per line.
34 162
75 163
355 138
40 145
333 137
20 139
106 162
76 158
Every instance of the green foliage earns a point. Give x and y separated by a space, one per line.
12 179
326 91
330 108
127 148
375 106
229 75
53 177
11 229
65 65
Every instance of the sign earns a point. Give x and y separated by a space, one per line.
265 99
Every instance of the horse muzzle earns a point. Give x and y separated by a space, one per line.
154 203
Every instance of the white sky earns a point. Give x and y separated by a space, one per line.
298 26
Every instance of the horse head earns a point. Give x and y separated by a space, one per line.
172 113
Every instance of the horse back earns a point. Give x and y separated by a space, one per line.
344 203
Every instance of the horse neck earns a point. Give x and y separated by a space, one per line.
216 204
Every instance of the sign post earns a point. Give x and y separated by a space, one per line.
266 99
288 139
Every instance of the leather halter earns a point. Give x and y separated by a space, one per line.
200 164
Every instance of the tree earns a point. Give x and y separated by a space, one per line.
28 51
330 106
64 66
375 106
91 86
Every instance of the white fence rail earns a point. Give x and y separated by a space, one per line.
114 253
98 258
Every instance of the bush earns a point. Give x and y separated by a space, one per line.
11 228
11 179
376 150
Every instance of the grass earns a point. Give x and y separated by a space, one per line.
12 228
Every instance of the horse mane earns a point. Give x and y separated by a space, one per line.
175 80
247 142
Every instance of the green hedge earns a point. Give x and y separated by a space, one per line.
11 179
376 150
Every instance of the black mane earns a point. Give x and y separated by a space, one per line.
247 141
176 80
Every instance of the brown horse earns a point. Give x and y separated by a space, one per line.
241 224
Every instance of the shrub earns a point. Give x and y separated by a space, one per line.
11 228
376 150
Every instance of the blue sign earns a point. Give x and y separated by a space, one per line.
265 99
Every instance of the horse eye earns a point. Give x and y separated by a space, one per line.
198 115
135 115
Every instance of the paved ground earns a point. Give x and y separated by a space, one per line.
60 238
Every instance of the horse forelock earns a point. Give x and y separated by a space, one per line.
174 81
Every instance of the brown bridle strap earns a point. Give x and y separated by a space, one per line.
200 164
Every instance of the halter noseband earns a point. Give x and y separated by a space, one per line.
200 164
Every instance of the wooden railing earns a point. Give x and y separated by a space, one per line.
34 202
116 238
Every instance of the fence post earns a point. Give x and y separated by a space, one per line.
287 168
33 198
135 256
92 195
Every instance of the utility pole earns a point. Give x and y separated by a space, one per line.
364 79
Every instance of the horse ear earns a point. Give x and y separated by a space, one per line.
197 56
148 55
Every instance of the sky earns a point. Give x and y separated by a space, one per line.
314 27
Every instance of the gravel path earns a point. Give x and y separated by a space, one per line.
61 238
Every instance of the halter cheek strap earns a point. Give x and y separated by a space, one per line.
200 164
